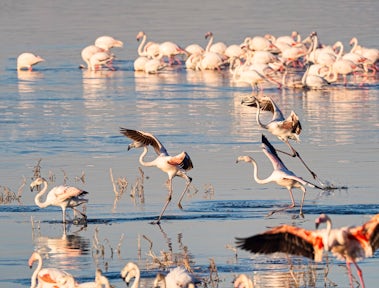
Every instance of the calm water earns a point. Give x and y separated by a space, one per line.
70 119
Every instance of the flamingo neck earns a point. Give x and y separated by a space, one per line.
142 161
256 178
257 116
140 47
354 42
37 199
35 273
210 42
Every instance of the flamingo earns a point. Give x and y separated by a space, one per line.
99 59
283 128
48 277
194 49
176 278
347 243
170 50
315 81
243 281
150 50
28 60
218 47
281 175
173 165
130 271
100 280
61 196
371 54
88 52
108 42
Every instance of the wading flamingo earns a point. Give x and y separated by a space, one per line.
172 165
99 59
176 278
130 271
88 52
108 42
48 277
347 243
61 196
283 128
28 60
281 175
100 281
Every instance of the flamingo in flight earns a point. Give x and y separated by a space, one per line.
48 277
347 243
281 175
61 196
173 165
283 128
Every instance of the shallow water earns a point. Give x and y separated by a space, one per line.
70 119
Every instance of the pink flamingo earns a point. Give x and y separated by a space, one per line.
173 165
281 175
347 243
28 60
61 196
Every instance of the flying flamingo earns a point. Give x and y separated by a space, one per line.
48 277
61 196
283 128
347 243
28 60
281 175
172 165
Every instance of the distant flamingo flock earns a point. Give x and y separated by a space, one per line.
256 61
285 61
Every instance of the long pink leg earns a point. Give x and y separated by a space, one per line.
360 274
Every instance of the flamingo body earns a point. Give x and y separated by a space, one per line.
28 60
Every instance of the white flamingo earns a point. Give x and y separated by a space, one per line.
281 175
243 281
131 271
48 277
100 59
172 165
28 60
150 49
371 55
61 196
170 50
176 278
88 52
108 42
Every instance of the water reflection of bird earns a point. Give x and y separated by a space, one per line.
348 243
28 60
61 196
281 175
47 277
172 165
283 128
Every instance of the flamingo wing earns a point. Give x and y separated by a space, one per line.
271 153
368 235
183 160
145 139
264 103
286 239
278 115
63 193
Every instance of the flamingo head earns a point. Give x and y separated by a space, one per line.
244 158
140 35
323 218
32 258
36 183
208 34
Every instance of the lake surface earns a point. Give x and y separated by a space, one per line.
69 119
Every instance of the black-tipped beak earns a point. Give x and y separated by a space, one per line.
317 224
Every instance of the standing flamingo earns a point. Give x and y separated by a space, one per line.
283 128
130 271
48 277
28 60
172 165
88 52
99 59
108 42
347 243
61 196
281 175
176 278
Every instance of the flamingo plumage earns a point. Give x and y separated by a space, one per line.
28 60
61 196
172 165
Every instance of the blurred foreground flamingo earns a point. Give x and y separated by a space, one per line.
347 243
281 175
28 60
173 165
61 196
48 277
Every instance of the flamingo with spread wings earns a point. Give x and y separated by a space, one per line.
173 165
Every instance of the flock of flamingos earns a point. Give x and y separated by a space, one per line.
255 61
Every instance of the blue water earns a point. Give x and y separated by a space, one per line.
70 119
